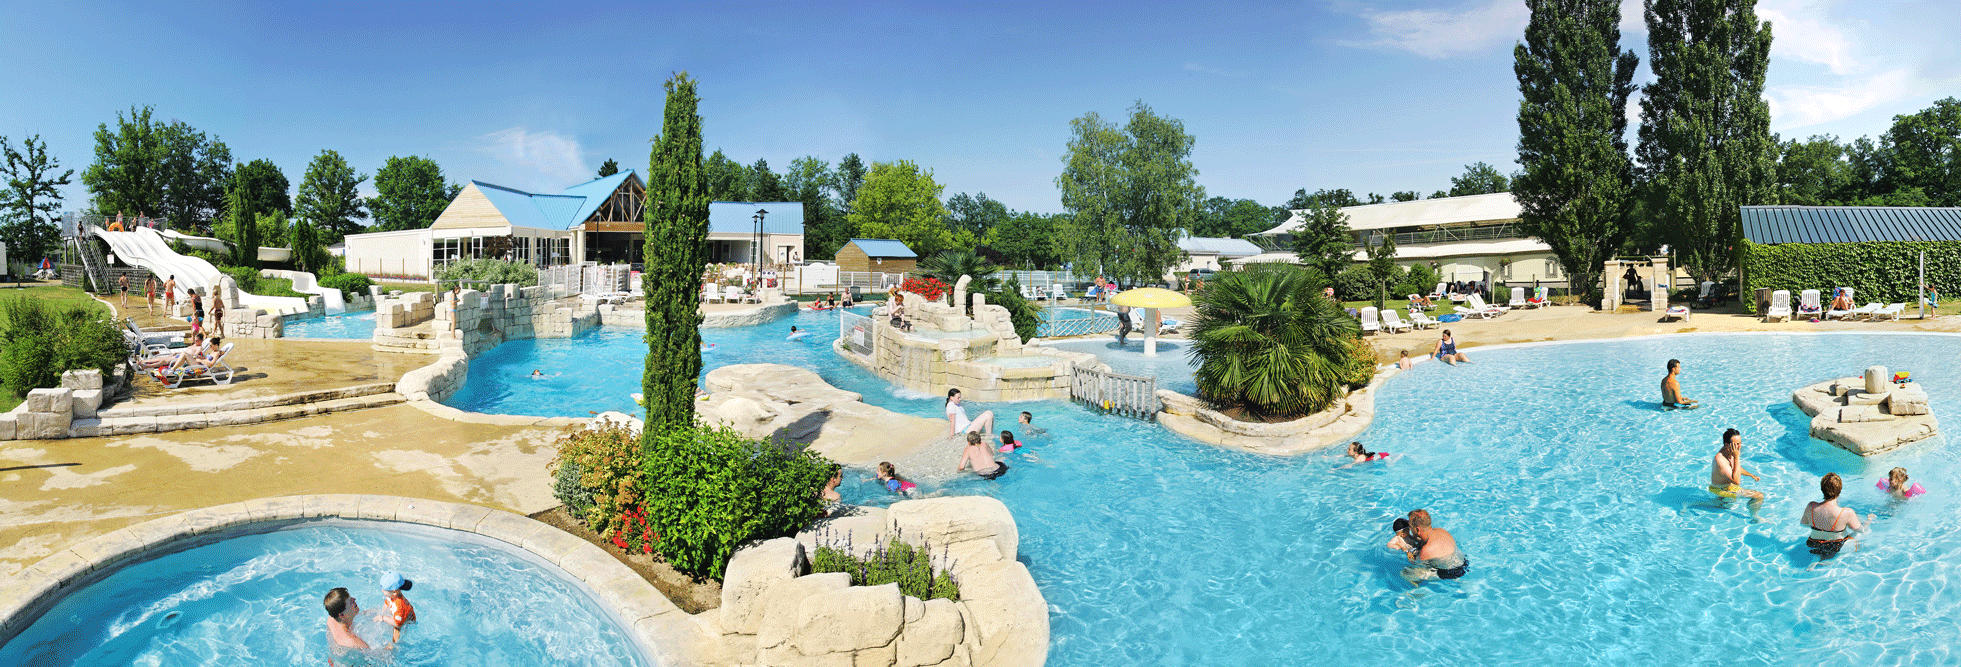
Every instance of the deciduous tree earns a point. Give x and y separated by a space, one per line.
974 214
328 198
31 200
763 184
676 252
196 174
410 194
850 177
1406 195
1027 240
1480 178
127 176
265 184
1705 144
809 180
902 202
727 179
1323 241
1232 218
1131 192
1574 81
1924 152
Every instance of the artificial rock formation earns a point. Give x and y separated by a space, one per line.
1867 415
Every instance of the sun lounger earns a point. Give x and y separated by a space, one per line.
1369 321
1890 312
1808 304
1439 292
1542 299
1676 313
709 294
1394 322
1847 291
1780 306
1420 320
1518 299
1479 309
214 369
1864 311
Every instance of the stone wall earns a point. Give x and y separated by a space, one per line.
776 612
934 365
436 381
401 310
47 413
1341 422
745 318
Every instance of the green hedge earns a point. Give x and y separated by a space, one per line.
349 284
1884 271
493 271
43 340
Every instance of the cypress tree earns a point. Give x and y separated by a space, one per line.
245 227
676 252
1574 81
1706 148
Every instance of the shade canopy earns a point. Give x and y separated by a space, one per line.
1150 297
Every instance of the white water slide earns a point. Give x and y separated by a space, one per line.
147 248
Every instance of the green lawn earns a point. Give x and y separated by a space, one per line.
406 287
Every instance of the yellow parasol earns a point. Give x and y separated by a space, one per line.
1151 299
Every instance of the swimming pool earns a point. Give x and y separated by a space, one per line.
348 326
1580 505
255 599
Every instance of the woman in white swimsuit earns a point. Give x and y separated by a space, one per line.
956 417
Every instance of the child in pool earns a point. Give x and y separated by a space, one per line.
888 476
396 610
1359 454
1028 426
1896 484
1008 443
1404 363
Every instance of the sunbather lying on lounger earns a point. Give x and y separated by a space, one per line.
196 345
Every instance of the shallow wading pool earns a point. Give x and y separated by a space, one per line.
255 599
1580 504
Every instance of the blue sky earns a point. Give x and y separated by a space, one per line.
1370 96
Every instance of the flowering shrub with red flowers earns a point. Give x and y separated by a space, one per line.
931 288
634 533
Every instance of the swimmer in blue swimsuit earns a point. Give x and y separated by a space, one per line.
1447 350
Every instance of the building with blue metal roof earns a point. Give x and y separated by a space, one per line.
599 221
879 255
1849 224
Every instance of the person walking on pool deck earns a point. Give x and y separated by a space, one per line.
980 458
1433 550
170 296
1447 350
1671 388
150 293
1831 526
341 612
1726 473
123 281
956 416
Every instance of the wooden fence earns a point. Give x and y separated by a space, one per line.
1127 395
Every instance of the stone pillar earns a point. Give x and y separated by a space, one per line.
1876 379
960 293
1610 285
1661 279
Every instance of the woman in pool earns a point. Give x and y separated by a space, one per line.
1896 484
1447 350
1831 525
956 417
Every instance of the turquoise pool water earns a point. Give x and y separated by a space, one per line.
349 326
256 600
1580 505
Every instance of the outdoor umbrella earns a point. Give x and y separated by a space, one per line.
1151 299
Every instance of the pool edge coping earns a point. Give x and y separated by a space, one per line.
660 629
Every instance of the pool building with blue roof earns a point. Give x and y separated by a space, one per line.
598 221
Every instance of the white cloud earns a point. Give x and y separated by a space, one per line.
1439 34
1805 37
1799 106
556 157
1216 71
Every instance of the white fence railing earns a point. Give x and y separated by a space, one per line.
857 333
1127 395
587 278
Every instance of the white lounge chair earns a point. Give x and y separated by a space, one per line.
1056 293
1167 325
1841 314
1864 311
1808 304
1542 299
1890 312
1369 321
1420 320
1518 299
1480 309
1439 292
1676 313
1394 322
1780 306
215 370
733 294
709 294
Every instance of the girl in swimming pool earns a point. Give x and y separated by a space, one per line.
1359 454
1897 485
888 477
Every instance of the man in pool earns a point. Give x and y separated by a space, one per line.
1671 388
1432 550
341 612
1726 473
980 458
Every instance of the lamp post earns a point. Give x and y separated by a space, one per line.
756 244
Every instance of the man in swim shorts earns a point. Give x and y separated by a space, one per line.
1726 473
341 612
1671 388
1432 550
980 458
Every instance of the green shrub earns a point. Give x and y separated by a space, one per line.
493 271
709 490
1358 368
248 279
1884 271
1269 343
1420 280
603 463
911 568
1356 284
44 340
349 284
1024 314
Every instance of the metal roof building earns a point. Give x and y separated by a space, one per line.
1850 224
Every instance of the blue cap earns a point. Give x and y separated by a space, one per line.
393 581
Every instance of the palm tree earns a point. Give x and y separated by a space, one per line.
949 265
1267 342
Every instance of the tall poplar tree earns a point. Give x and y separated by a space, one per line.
677 236
1574 82
1706 148
244 225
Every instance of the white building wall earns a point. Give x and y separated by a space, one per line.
403 254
